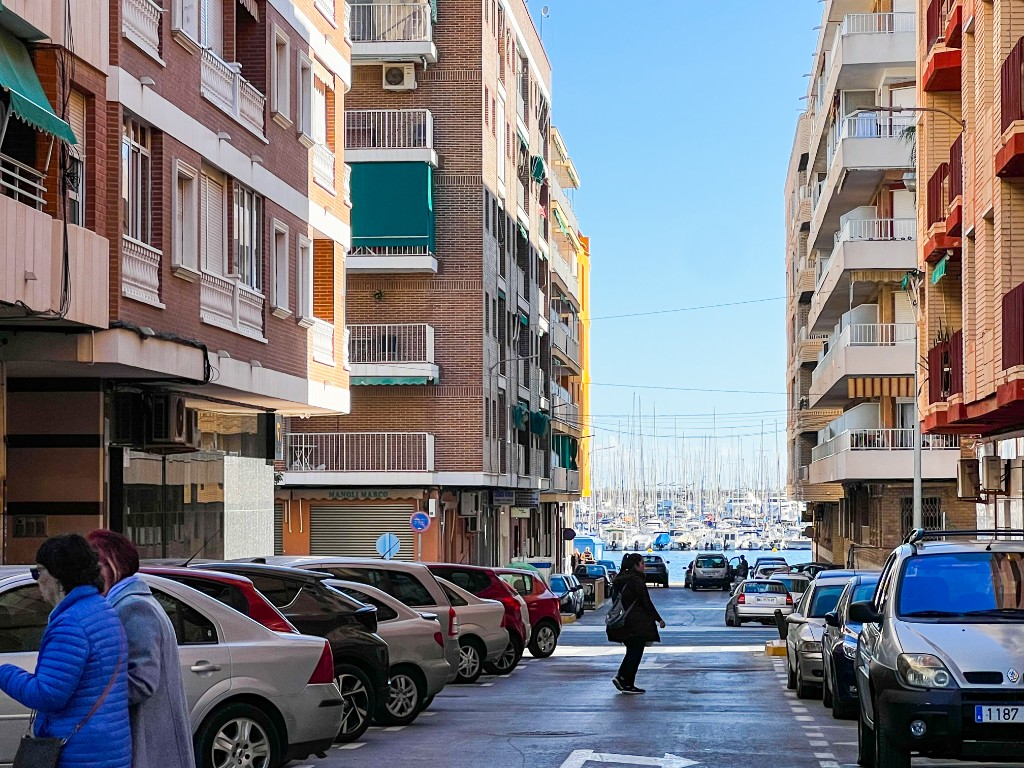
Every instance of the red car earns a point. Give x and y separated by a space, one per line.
237 592
545 615
484 582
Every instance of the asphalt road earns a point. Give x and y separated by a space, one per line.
713 698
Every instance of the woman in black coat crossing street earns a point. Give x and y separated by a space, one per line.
640 627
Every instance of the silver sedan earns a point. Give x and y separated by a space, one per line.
482 637
239 676
757 600
418 668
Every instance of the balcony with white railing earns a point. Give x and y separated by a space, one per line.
392 354
323 341
862 350
393 32
865 48
226 302
140 272
883 454
224 86
140 25
318 457
880 245
564 343
389 135
861 150
564 273
323 166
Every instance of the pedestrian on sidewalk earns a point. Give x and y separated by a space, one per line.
157 708
79 688
640 626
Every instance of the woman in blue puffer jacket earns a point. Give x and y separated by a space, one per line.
82 648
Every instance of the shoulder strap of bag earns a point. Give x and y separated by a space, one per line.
102 698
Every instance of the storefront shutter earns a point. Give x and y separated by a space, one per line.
278 529
352 531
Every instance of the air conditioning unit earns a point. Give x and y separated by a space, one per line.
168 420
992 468
968 482
469 504
399 77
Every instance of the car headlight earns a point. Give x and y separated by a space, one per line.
810 646
850 650
922 670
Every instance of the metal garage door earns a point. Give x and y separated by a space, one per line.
352 531
278 529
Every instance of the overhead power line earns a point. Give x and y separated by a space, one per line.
689 309
691 389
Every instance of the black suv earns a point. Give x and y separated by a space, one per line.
655 570
360 655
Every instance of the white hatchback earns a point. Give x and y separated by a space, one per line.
757 600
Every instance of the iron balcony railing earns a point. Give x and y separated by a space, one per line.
376 344
956 168
361 452
938 195
881 440
864 335
1010 85
391 22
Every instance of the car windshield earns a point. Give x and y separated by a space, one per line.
825 599
864 592
793 585
716 561
964 585
764 587
557 584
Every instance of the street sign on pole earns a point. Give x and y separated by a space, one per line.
388 545
419 522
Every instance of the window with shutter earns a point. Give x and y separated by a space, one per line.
248 235
211 25
185 253
304 279
136 184
213 235
319 112
279 296
76 160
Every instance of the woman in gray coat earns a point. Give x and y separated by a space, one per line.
161 732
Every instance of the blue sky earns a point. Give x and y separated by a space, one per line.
680 118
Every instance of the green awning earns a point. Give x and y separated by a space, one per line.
387 380
523 319
539 171
939 270
520 416
392 205
566 448
562 223
539 423
24 91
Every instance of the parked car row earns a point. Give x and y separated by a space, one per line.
283 656
925 654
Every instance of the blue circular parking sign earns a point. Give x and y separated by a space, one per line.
388 545
419 522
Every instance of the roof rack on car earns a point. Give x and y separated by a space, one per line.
920 534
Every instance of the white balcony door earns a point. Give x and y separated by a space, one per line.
903 206
211 25
903 308
906 412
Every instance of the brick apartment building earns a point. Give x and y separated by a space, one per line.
465 298
971 164
852 235
175 230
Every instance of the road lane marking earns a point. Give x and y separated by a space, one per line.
581 757
353 745
578 651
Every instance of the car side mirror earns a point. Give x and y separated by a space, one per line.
795 618
668 562
832 619
864 612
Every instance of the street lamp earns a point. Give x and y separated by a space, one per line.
913 281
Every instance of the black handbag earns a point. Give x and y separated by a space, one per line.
45 752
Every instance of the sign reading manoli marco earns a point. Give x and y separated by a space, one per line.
359 494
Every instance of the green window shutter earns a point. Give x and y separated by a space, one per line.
392 205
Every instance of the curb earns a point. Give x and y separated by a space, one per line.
775 648
568 618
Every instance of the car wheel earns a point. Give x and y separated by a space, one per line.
471 662
359 701
826 691
729 620
887 753
508 660
790 676
238 735
403 704
665 583
865 744
544 640
803 690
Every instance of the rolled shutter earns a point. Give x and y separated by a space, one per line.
212 205
76 119
352 531
278 529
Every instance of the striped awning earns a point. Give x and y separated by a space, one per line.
889 386
252 7
877 275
